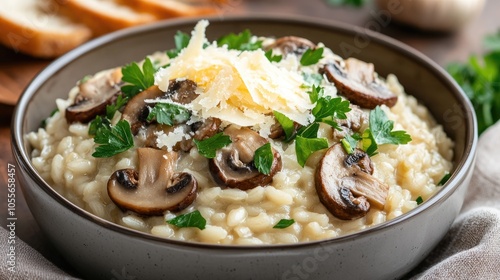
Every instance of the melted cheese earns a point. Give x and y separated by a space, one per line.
238 87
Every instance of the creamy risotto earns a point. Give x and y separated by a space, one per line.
245 140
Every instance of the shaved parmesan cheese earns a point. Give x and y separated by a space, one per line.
170 139
240 87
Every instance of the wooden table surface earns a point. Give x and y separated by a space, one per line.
16 70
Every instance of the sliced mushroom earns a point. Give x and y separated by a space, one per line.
291 45
345 184
182 91
357 81
94 95
154 188
137 110
278 132
355 121
233 165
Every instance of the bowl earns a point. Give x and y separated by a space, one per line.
99 249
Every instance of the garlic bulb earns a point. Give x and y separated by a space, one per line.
435 15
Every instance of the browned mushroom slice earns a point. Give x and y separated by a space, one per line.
94 95
182 91
355 121
136 111
345 185
357 82
154 188
291 45
233 165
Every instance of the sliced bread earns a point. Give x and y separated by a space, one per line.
37 30
164 9
104 16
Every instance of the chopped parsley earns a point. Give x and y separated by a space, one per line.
169 114
284 223
287 124
312 79
181 40
111 109
307 142
349 143
137 79
242 41
315 93
113 140
263 159
445 179
419 200
311 56
192 219
209 146
380 132
479 78
328 109
273 58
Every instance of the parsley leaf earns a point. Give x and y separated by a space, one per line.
111 109
349 143
138 79
113 140
168 113
273 58
284 223
445 179
287 124
479 78
209 146
369 144
193 219
381 128
315 93
311 56
263 158
328 109
305 147
419 200
97 123
181 40
241 41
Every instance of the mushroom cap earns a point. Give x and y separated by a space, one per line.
358 83
345 185
137 110
291 45
94 95
233 164
154 188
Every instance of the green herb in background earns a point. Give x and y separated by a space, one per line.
242 41
181 40
354 3
479 77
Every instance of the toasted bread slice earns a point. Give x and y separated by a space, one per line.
164 9
37 30
104 16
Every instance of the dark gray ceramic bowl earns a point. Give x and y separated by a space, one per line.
100 249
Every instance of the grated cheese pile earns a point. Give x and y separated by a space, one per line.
240 87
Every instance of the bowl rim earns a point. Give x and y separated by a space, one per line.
22 157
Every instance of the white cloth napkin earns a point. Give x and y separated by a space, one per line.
470 250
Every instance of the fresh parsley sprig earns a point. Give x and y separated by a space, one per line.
273 58
113 140
287 124
380 132
263 159
311 56
192 219
328 110
242 41
307 142
208 147
168 113
181 41
138 79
